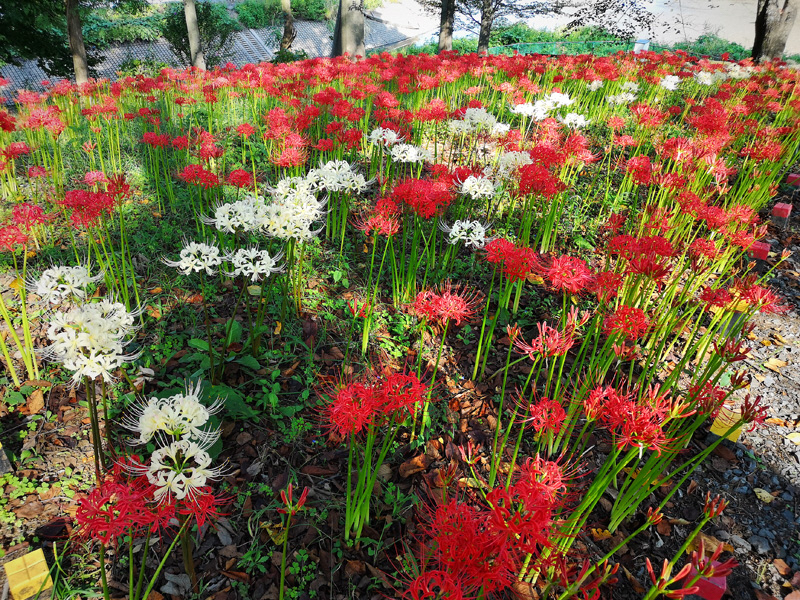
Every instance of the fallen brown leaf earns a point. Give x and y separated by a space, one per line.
414 465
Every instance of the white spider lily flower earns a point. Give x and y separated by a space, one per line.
670 82
381 136
472 233
253 263
182 416
241 215
708 78
59 284
179 469
90 340
511 161
478 187
630 86
595 85
408 153
620 99
338 176
574 120
293 211
196 257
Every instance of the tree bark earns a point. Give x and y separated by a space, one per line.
348 35
76 45
774 21
289 31
487 20
446 25
193 29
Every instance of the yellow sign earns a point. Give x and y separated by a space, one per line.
28 574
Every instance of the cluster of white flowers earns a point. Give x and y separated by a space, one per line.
630 86
253 263
472 233
542 108
381 136
196 257
90 339
574 120
243 215
511 161
477 120
737 71
595 85
709 78
408 153
181 416
478 188
293 210
180 469
179 424
338 176
61 284
621 99
670 82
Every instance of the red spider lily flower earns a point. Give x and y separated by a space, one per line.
605 285
289 507
715 298
180 143
425 197
28 215
649 266
240 178
616 222
549 342
155 140
468 546
203 505
640 169
654 516
714 506
401 392
358 309
454 302
118 186
752 411
708 398
290 156
379 223
515 262
568 274
11 237
197 175
709 567
37 171
537 179
732 350
245 130
664 579
434 585
423 304
546 416
351 410
765 299
324 145
630 322
94 178
15 150
87 207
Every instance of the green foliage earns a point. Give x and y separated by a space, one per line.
105 26
287 56
258 14
149 67
217 29
710 45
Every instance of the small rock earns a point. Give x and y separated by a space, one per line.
760 543
741 543
723 535
243 438
177 585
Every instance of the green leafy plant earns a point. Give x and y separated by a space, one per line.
217 29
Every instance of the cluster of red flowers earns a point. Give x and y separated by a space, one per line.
425 197
516 262
197 175
87 206
448 302
357 407
475 549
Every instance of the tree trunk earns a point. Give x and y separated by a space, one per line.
348 36
193 29
446 25
487 19
774 21
76 45
289 32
